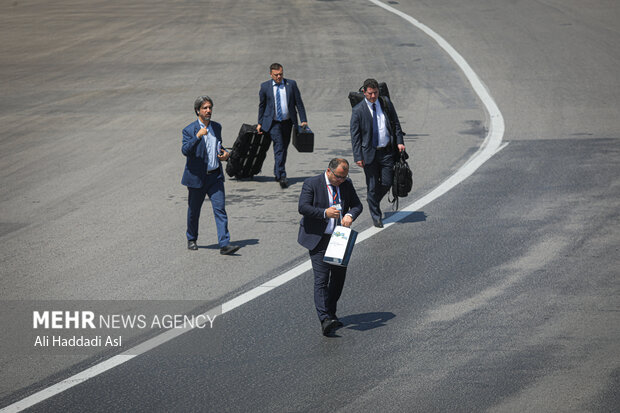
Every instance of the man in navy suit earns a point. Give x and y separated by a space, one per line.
327 200
203 175
376 138
279 101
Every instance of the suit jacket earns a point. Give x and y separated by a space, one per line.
361 129
195 149
313 201
267 105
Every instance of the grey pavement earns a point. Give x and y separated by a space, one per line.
94 99
95 95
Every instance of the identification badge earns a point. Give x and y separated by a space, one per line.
338 207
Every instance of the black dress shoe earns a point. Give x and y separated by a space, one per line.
283 183
191 245
328 326
229 249
377 222
338 322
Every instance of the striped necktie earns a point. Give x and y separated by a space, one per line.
278 102
335 200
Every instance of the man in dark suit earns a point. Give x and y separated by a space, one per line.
376 138
327 200
203 175
279 101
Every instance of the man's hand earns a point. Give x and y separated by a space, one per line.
224 155
347 221
360 163
304 124
258 128
332 212
401 147
202 132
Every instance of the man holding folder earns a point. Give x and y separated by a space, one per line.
327 200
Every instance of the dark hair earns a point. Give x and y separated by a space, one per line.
200 101
370 83
275 66
336 162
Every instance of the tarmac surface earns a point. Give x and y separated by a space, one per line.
502 295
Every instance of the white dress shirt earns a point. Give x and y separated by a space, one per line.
384 133
283 102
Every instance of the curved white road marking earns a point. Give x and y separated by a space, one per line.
491 145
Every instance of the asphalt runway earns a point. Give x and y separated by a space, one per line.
95 96
506 318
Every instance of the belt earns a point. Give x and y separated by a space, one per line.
213 171
385 148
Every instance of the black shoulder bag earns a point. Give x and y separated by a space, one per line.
403 179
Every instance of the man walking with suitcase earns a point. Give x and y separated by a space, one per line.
279 102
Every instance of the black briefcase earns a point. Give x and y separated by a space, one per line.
303 139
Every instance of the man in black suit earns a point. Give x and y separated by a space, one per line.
376 138
279 102
327 200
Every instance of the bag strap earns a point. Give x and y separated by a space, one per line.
394 202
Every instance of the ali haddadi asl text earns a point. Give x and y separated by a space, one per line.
78 341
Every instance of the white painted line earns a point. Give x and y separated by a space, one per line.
491 144
489 147
66 384
266 287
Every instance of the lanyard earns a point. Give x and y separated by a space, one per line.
334 195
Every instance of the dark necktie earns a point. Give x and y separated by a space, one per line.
278 103
375 127
335 199
334 194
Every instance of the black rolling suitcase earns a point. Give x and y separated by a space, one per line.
303 139
357 97
248 153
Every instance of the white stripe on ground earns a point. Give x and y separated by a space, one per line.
491 145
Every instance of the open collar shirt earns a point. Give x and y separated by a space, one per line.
212 147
